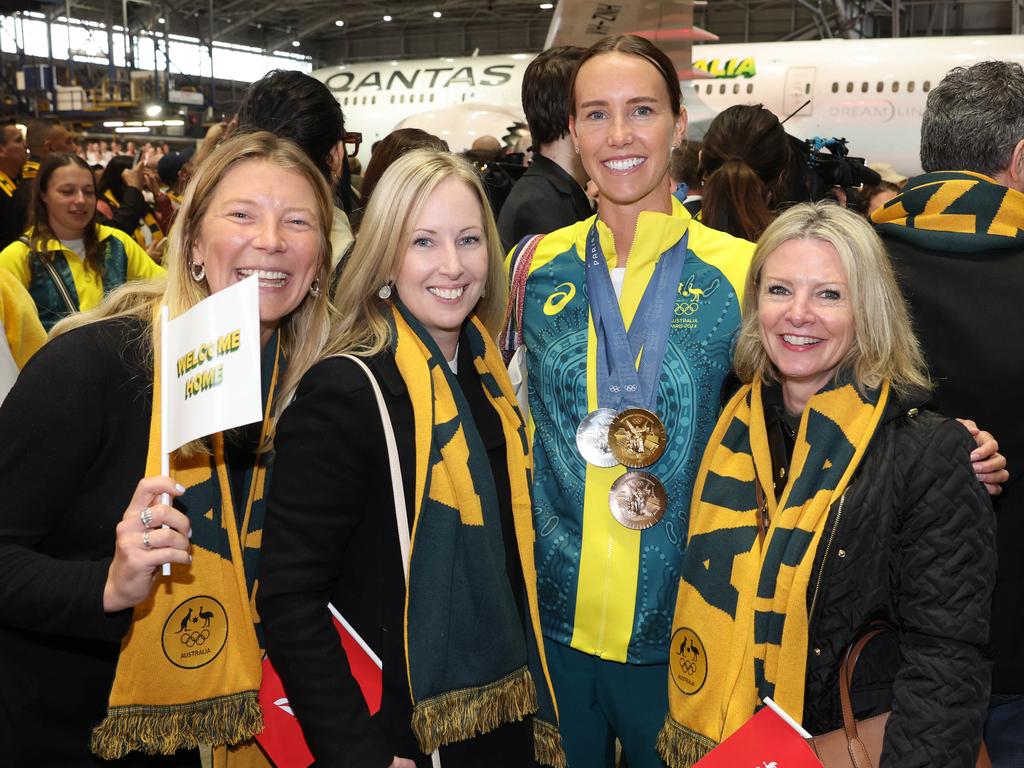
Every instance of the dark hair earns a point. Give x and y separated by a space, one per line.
744 157
974 118
633 45
37 131
111 179
389 149
39 216
863 197
683 164
545 93
297 107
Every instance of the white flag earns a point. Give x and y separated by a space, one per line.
211 366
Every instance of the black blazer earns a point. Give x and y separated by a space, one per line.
331 535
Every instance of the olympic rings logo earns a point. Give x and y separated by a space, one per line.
192 639
688 667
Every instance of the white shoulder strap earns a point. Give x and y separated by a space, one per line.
397 487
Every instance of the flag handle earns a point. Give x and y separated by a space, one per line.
165 456
786 716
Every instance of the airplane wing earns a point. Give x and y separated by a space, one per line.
669 23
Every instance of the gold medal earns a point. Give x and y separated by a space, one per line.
592 438
637 437
638 500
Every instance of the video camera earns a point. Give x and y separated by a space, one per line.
820 164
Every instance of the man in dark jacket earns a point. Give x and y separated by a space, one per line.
550 194
12 157
956 239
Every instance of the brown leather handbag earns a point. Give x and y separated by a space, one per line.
858 744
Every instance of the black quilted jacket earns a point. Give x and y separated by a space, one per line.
912 542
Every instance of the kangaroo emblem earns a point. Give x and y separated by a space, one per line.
184 622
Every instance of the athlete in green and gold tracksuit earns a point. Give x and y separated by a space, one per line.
607 592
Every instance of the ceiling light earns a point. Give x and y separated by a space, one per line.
113 123
339 23
153 110
387 17
174 123
296 43
546 6
132 129
437 14
161 20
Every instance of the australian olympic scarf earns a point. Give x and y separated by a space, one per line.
471 665
740 627
190 666
955 211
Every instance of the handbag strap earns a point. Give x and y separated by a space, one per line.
858 753
397 488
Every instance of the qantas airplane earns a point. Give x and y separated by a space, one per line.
870 91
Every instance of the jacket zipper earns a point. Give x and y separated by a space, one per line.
824 560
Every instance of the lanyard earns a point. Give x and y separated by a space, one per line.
619 383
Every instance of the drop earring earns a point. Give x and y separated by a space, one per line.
314 288
385 291
198 272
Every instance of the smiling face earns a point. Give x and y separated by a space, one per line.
444 267
262 220
70 200
625 129
805 316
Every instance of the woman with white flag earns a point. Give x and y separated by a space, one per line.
89 628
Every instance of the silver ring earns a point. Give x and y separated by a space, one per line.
145 540
147 517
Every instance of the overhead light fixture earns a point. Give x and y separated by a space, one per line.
174 123
437 14
113 123
296 43
153 110
546 6
132 129
161 20
339 23
387 17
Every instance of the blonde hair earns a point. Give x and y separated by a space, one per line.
303 333
364 325
884 345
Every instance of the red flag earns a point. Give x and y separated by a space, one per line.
764 741
282 737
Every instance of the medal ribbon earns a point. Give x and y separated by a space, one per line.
619 382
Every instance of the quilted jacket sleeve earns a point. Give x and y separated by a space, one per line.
945 577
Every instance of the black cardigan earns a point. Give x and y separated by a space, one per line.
75 431
331 536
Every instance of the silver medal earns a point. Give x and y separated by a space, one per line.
592 438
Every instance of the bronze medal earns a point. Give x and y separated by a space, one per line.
592 438
638 500
637 437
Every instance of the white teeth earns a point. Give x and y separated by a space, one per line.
447 293
624 165
800 341
263 274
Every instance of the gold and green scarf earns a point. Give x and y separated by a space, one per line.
740 627
148 232
190 665
957 211
471 666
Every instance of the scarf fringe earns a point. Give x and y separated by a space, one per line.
680 747
166 729
462 714
547 744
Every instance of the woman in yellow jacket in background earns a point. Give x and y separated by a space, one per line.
65 259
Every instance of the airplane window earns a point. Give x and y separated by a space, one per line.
926 86
431 98
736 88
835 87
880 86
807 88
374 99
849 87
895 86
709 88
864 87
696 89
421 98
721 88
750 87
910 87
